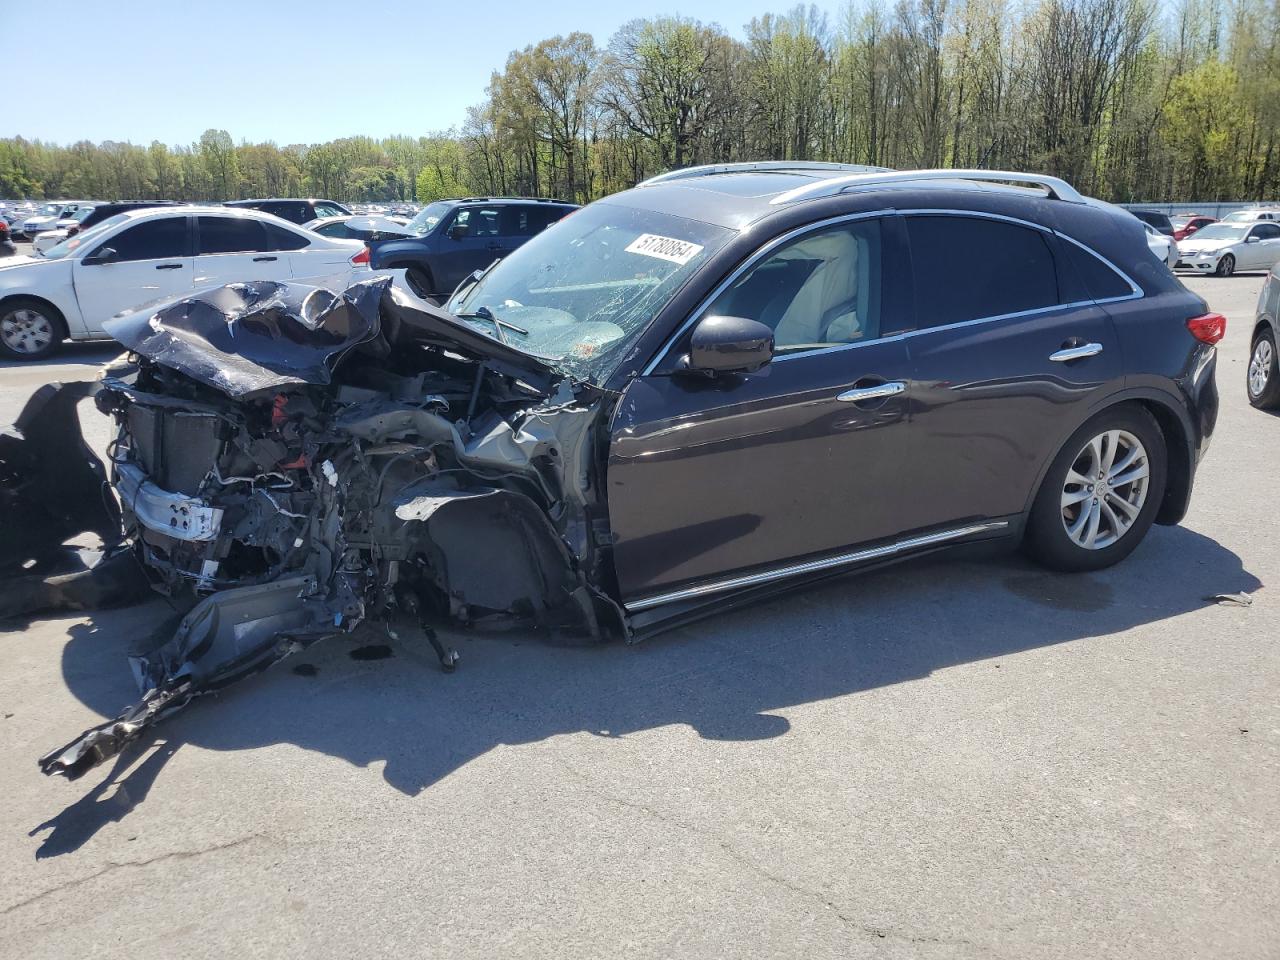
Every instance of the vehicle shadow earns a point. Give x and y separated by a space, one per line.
91 355
722 677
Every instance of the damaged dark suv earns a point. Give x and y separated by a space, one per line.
719 385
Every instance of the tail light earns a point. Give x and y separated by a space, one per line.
1209 328
361 259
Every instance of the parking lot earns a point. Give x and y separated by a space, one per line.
949 758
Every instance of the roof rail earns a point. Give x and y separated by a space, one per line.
1057 189
772 166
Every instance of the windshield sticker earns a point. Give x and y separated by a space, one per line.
664 248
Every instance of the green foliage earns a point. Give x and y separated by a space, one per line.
1125 103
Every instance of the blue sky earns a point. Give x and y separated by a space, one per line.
292 71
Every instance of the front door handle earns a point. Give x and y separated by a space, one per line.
263 259
859 394
1067 354
168 266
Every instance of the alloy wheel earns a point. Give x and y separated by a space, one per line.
1260 366
1226 266
26 331
1105 489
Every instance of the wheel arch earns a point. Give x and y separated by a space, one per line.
1175 427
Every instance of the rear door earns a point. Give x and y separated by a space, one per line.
232 249
1010 355
152 261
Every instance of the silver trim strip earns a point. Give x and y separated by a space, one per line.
172 514
1057 189
764 166
1076 353
813 566
705 304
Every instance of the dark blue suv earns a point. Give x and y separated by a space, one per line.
457 237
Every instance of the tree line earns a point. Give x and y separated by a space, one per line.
1127 99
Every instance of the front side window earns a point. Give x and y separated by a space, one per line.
1266 231
817 291
230 235
971 268
151 240
84 238
587 289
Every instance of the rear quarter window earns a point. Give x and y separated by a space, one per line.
1100 281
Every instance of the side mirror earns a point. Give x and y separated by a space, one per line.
102 255
1254 239
458 231
729 345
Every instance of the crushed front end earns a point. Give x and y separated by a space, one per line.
290 464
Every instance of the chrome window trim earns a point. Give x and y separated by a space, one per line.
1136 292
713 587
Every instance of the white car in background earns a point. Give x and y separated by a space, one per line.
161 253
1161 245
47 217
1223 248
47 239
1251 216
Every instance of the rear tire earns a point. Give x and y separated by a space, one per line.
29 329
1262 380
1226 266
1101 493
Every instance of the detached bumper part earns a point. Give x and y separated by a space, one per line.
226 637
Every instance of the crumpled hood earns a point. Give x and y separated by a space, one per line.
262 335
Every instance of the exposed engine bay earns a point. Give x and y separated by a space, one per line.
290 463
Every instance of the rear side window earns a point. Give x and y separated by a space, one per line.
152 240
278 238
1100 281
230 235
969 268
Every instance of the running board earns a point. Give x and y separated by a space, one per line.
813 566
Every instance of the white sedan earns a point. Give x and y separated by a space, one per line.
1162 246
1223 248
151 254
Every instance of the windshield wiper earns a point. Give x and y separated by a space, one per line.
484 313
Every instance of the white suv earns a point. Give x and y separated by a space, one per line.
151 254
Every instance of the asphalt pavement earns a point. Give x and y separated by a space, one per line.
950 758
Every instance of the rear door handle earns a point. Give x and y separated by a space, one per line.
263 259
1067 354
859 394
168 266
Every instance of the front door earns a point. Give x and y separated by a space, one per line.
713 477
151 261
1263 252
471 242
